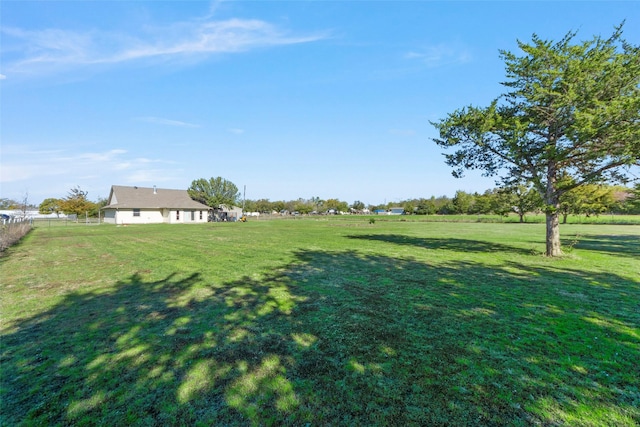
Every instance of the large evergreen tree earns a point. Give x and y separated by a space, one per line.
571 109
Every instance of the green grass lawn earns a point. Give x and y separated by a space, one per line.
325 321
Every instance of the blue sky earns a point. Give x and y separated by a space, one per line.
292 99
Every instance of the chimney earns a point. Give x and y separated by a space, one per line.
155 191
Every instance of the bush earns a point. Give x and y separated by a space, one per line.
11 233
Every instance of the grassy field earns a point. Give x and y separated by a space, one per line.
325 321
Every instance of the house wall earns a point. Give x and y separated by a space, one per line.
188 216
109 216
200 216
153 216
147 216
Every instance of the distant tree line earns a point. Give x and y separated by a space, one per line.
313 205
587 200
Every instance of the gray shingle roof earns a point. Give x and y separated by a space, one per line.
122 197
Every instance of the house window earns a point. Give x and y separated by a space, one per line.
200 215
178 215
136 212
193 215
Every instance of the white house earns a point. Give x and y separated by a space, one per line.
144 205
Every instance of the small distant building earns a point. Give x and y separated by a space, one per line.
29 214
390 211
145 205
396 211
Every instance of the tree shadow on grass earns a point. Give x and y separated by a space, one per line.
333 338
456 245
621 245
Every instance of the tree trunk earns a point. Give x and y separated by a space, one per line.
553 234
552 199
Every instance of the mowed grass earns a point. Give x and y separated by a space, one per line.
321 322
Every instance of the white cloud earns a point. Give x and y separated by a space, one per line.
2 77
13 173
34 51
213 8
149 176
99 157
169 122
41 165
27 164
123 165
47 173
440 55
236 131
137 163
145 160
